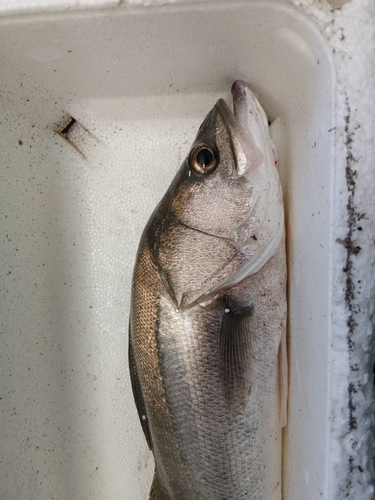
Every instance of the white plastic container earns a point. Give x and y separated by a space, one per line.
98 109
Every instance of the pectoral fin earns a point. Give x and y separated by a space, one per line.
235 352
137 393
283 379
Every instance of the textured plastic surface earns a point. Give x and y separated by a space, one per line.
76 195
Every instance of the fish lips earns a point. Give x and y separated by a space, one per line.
246 153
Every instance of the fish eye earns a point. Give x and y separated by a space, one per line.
203 159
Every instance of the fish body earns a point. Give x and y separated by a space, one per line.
207 325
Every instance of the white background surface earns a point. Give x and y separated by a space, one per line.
139 82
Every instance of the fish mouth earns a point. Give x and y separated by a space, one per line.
245 151
240 103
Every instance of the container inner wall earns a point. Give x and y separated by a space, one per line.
138 83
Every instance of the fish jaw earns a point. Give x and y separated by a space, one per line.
267 204
246 154
250 114
245 103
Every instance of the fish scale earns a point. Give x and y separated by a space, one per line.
144 321
201 396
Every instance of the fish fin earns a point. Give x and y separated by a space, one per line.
235 353
156 492
283 379
137 393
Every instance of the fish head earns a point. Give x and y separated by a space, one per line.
227 195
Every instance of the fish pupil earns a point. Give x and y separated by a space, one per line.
205 157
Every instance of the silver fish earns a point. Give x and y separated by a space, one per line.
207 351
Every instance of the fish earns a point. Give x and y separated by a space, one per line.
207 333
